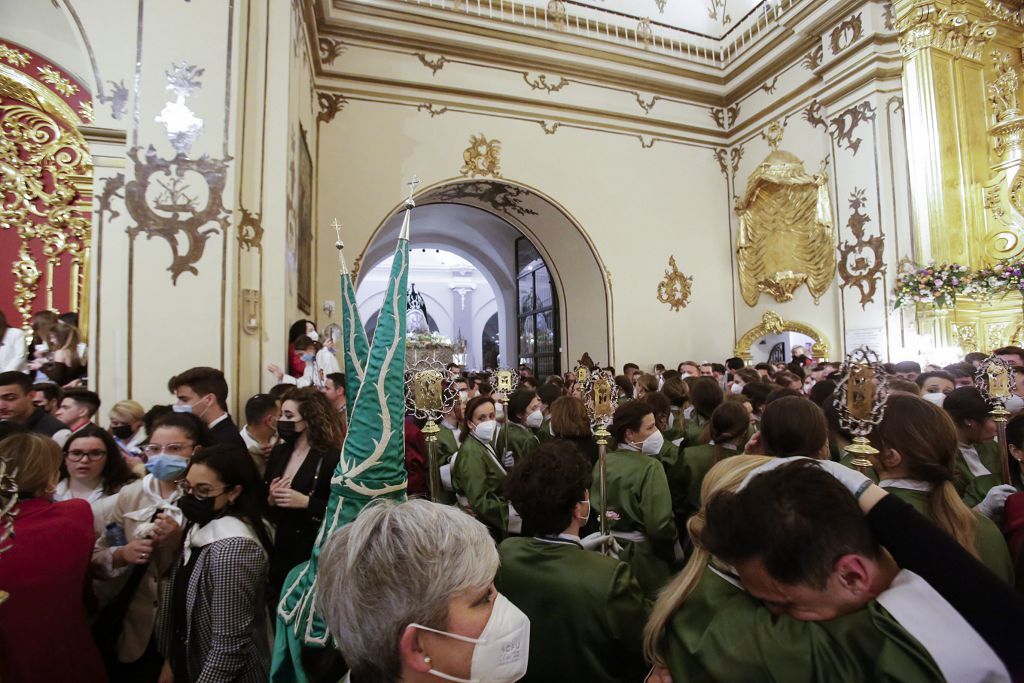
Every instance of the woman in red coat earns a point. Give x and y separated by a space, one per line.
44 631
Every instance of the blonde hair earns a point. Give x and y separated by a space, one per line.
35 459
727 475
128 411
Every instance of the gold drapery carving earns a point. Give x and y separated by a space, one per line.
773 323
929 24
786 235
45 171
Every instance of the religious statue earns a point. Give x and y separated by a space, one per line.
786 236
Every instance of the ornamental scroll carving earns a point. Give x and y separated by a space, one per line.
860 262
674 289
786 236
45 184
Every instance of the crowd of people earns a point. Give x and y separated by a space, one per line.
730 538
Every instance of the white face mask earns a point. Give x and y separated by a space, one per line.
502 651
671 420
484 431
736 388
463 396
535 419
313 335
652 444
936 397
585 518
1015 404
499 410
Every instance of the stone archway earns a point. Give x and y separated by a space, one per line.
584 291
773 323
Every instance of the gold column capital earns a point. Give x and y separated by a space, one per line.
951 27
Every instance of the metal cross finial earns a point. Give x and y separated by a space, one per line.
412 186
339 245
337 227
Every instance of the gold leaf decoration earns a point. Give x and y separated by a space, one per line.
50 76
482 158
674 289
85 111
13 56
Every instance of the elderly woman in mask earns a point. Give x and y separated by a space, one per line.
406 602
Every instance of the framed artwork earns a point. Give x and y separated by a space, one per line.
304 246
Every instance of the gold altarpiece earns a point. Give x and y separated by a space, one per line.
965 146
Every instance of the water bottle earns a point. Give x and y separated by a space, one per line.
115 535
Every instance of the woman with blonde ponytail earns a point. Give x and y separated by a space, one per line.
917 443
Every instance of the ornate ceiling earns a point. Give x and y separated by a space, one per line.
713 18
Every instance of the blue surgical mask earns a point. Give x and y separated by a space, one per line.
307 357
167 467
182 408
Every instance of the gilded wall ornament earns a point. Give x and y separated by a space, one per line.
812 60
674 289
769 87
995 334
955 32
717 11
722 157
540 82
180 123
735 155
330 104
860 262
786 236
557 14
330 49
431 109
499 196
549 128
14 56
888 17
482 158
648 105
1000 10
771 324
645 32
1002 90
841 128
848 32
661 5
434 65
53 78
43 163
966 335
177 199
117 99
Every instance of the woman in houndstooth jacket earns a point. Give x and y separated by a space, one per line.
213 623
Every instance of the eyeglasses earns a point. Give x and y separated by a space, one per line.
78 456
170 449
199 492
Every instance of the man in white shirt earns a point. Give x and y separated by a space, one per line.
260 431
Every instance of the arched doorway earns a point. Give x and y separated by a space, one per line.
480 220
773 332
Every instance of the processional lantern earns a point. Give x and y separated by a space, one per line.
860 400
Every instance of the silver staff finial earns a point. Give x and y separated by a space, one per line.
340 246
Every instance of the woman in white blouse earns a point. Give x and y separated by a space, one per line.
93 470
12 347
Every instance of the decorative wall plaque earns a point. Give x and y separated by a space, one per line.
674 289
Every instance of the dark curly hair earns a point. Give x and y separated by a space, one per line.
546 484
321 419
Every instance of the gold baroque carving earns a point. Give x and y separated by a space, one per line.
722 157
42 170
330 104
994 333
250 230
557 14
1002 90
482 158
735 155
50 76
434 65
645 32
812 60
1001 11
541 82
330 49
717 11
431 109
646 106
846 33
725 118
841 128
14 56
786 236
928 26
860 262
966 335
549 129
773 323
674 289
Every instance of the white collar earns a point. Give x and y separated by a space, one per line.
219 529
151 485
909 484
957 649
63 491
217 421
973 460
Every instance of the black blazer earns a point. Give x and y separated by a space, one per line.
225 432
297 529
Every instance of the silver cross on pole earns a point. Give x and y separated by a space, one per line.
412 189
339 245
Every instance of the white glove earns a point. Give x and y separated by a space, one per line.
849 478
507 460
515 522
595 540
995 501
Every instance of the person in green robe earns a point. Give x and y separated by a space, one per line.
729 424
917 444
547 393
705 395
775 619
586 610
516 438
677 393
638 508
447 446
979 461
477 474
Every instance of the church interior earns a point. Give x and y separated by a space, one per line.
732 288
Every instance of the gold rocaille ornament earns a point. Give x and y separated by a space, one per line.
786 236
860 402
993 381
600 394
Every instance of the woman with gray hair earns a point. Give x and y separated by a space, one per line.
407 592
